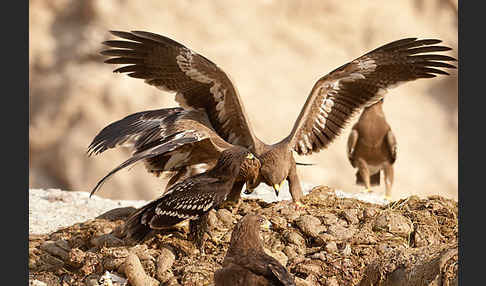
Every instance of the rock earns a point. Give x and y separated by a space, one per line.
421 267
213 221
278 223
393 223
135 273
331 247
290 252
370 213
113 263
54 249
51 263
351 216
294 238
347 250
36 283
106 240
165 260
225 216
142 252
309 268
340 232
332 281
329 219
320 255
310 225
76 258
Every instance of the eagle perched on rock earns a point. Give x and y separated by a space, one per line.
246 263
200 85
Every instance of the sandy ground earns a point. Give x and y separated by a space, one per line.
52 209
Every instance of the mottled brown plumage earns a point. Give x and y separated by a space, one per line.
334 99
372 148
171 139
195 196
246 262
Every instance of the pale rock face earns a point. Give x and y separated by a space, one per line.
273 51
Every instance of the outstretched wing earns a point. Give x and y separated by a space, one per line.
339 95
160 149
197 82
165 139
127 131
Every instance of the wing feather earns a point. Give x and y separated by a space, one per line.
164 139
161 149
129 129
197 82
338 96
188 199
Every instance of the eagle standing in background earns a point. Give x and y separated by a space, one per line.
200 85
246 263
372 147
193 198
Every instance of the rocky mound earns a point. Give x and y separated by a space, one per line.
333 241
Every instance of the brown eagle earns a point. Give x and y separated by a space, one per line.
193 198
200 85
246 263
372 148
171 139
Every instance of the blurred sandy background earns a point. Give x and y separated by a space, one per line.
273 50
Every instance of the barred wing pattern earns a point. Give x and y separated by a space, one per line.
128 131
197 82
186 200
170 144
340 95
165 139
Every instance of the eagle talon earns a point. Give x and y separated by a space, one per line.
230 205
368 191
299 206
248 191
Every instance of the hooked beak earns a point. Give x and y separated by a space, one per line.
248 190
277 187
266 225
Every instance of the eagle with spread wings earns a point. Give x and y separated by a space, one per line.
200 86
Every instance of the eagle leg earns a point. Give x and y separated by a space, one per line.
388 170
198 228
233 202
363 175
295 188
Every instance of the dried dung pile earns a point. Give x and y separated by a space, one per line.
333 241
